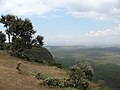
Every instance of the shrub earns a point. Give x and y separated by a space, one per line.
2 46
39 76
53 63
80 75
52 82
7 46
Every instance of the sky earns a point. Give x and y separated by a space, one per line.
70 22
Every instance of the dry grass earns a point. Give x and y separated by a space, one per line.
10 79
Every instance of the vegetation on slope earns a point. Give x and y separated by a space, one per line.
39 54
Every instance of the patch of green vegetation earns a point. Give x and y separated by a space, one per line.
38 54
109 73
105 61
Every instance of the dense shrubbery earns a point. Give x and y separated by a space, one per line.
38 54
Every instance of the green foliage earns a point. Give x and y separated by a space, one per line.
57 82
39 61
8 20
52 82
20 30
54 63
40 40
7 46
38 55
2 40
109 73
2 37
80 74
2 46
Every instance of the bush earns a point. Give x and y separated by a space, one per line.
63 83
39 76
80 75
55 64
2 46
7 46
52 82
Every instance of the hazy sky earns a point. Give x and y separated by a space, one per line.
69 22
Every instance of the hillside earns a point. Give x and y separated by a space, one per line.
10 79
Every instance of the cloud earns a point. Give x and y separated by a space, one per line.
24 7
115 31
29 7
97 9
101 37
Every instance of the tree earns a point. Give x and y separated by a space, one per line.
8 20
81 74
20 30
22 33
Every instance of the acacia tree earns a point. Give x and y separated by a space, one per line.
20 30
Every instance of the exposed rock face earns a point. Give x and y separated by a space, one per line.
40 53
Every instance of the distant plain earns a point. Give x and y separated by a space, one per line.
104 60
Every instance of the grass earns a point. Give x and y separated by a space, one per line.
10 79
